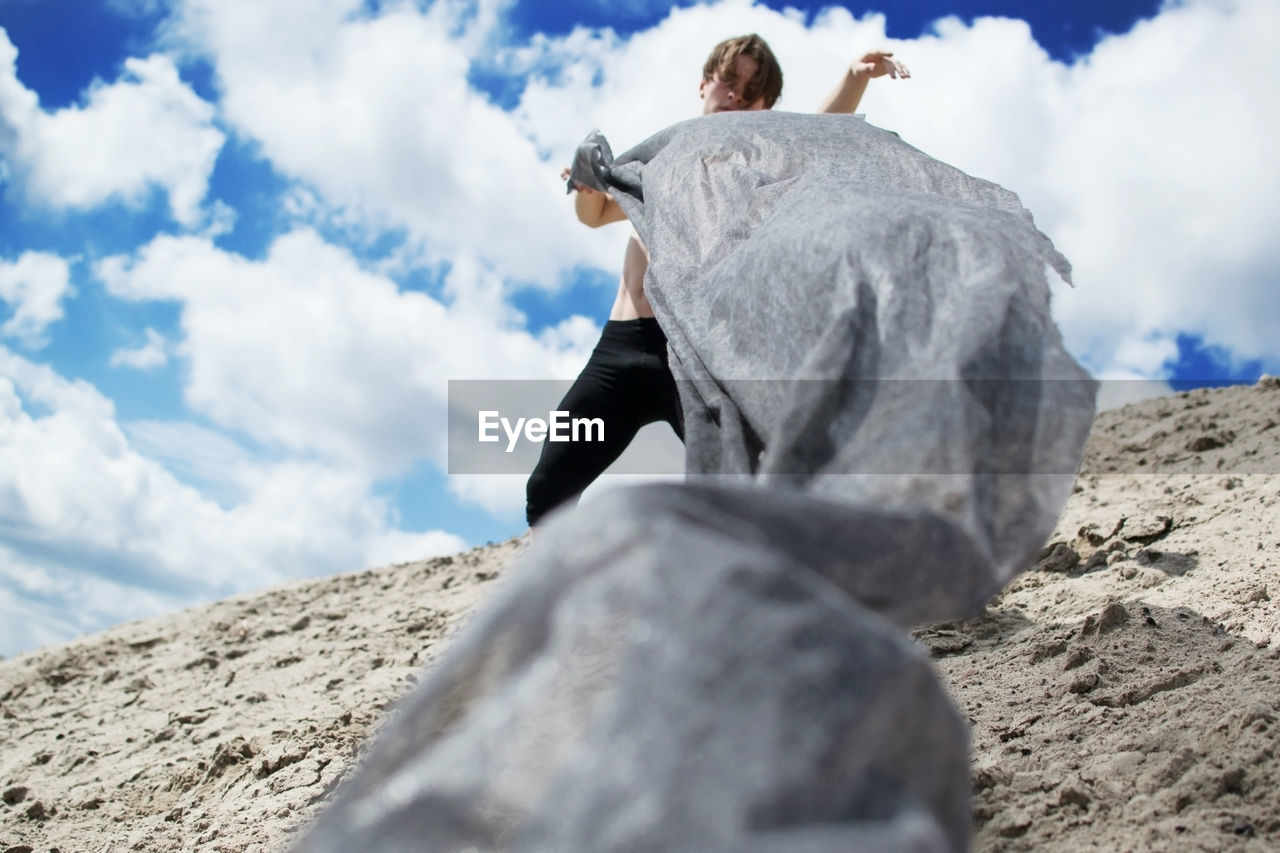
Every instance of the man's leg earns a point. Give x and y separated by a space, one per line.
603 390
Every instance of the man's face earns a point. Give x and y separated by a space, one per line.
725 90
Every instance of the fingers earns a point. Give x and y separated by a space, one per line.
582 188
895 69
881 62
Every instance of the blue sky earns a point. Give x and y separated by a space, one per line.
244 245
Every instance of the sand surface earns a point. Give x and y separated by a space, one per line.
1123 693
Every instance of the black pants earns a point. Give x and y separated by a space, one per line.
627 384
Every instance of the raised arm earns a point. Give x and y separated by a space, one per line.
846 96
593 207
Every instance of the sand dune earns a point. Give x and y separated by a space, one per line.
1124 692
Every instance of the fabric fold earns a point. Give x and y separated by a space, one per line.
882 425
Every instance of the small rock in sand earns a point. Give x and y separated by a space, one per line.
1079 656
1096 560
1074 795
1147 529
1112 616
1083 683
1057 557
1254 595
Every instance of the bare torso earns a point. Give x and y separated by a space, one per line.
631 302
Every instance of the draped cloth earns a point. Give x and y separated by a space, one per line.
882 425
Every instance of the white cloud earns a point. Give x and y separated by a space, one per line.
1148 161
376 116
190 450
219 218
41 604
633 88
148 356
83 511
33 286
308 351
500 494
1135 357
148 130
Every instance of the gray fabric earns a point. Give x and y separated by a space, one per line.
721 664
594 158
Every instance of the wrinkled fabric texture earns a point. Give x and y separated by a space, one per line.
723 664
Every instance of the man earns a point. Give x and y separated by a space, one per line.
627 382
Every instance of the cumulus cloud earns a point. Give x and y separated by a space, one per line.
146 131
500 494
148 356
1148 160
33 287
190 451
41 603
374 113
82 511
308 351
631 88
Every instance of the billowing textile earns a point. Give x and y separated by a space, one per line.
881 427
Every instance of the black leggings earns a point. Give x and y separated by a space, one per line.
627 384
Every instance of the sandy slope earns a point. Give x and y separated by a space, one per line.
1124 693
222 727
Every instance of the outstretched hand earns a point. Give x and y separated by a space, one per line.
854 79
878 63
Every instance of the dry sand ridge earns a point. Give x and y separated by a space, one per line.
1123 693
